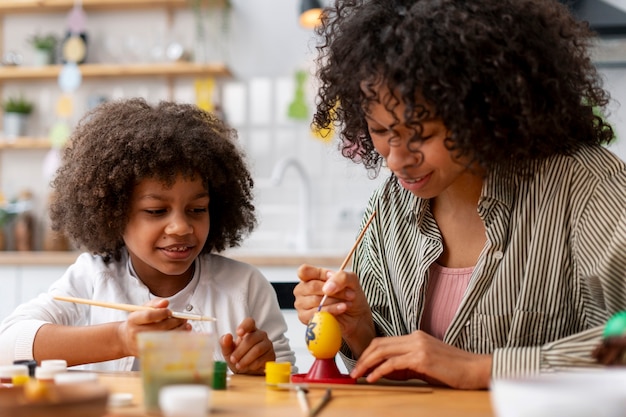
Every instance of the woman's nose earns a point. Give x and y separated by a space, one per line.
401 157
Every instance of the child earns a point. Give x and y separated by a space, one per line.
498 246
151 192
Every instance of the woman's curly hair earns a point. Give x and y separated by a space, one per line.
512 80
119 143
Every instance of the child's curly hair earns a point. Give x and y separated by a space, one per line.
512 80
122 142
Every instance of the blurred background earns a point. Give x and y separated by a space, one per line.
258 74
263 87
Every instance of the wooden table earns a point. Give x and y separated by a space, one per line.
249 396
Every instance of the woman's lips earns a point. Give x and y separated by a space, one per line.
414 184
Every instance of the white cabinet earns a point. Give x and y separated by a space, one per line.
20 283
34 280
8 295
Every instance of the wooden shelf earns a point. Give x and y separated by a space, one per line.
25 143
174 69
38 6
38 258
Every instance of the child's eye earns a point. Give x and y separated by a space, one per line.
155 211
200 210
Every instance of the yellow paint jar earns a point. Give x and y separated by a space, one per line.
277 373
11 373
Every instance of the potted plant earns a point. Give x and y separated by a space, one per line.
16 112
45 47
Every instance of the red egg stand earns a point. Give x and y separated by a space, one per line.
324 369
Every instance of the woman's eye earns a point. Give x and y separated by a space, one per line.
378 131
422 138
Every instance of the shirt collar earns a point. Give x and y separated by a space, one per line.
500 186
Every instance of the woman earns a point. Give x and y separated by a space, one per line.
498 244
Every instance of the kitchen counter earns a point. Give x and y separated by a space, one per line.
260 259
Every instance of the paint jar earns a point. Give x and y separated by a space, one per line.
10 374
45 375
38 388
277 373
20 379
220 369
31 363
49 368
184 400
171 358
57 365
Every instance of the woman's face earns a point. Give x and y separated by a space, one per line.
426 168
167 227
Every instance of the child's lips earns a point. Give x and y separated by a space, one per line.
177 248
177 252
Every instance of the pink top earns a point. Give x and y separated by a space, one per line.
446 287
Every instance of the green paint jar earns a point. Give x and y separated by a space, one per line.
219 375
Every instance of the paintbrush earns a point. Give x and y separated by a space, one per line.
303 400
345 261
359 386
131 307
323 402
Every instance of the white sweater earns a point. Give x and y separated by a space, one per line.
221 287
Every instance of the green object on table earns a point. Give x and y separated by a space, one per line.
616 326
219 375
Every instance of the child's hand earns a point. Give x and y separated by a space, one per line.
148 320
249 352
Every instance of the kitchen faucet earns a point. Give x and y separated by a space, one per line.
302 238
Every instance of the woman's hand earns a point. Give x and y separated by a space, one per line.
420 355
346 301
249 351
148 320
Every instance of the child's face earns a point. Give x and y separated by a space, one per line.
167 227
426 168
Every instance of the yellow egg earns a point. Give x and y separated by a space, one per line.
323 335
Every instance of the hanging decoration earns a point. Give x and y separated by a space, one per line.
73 53
70 78
325 135
204 88
298 109
77 19
74 47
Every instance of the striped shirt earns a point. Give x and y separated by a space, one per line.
552 272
